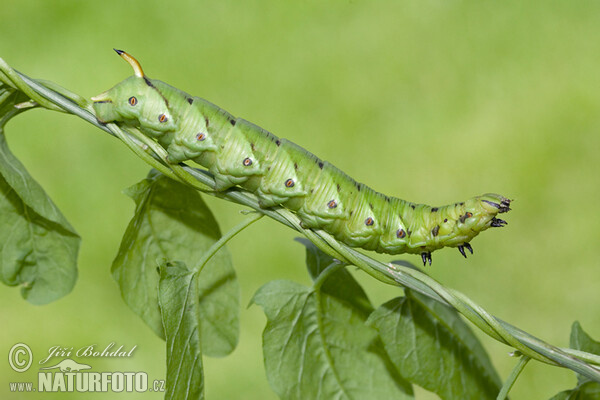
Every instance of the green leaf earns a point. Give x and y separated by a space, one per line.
561 396
181 315
340 284
171 222
586 391
580 340
38 247
432 347
316 344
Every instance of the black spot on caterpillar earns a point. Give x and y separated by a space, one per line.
286 171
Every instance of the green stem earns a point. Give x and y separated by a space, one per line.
16 81
137 149
80 101
326 273
587 357
512 378
225 238
495 325
160 152
341 250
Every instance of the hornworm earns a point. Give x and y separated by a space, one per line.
279 172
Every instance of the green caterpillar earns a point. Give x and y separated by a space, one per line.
280 172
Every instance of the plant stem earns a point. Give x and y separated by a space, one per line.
13 78
512 378
326 273
225 238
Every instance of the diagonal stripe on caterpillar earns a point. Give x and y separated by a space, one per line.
280 172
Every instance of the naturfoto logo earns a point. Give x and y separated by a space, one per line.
68 375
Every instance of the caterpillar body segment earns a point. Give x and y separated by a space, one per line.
279 172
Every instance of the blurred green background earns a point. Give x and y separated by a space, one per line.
431 101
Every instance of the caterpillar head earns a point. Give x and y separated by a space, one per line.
134 101
494 203
479 213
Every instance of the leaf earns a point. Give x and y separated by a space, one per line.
341 284
171 222
38 247
316 344
561 396
580 340
432 347
585 389
181 314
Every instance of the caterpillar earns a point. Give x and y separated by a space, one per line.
281 173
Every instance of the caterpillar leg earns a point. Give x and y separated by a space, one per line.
462 249
498 223
426 257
